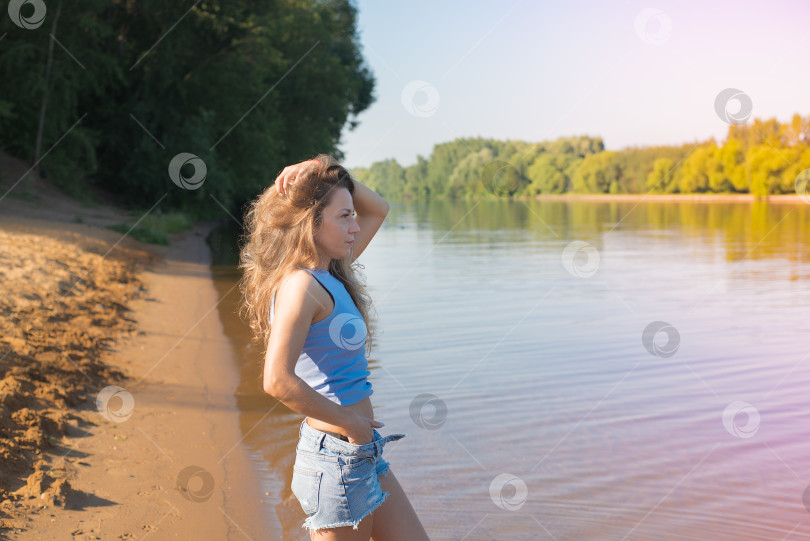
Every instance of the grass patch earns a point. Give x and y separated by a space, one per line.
23 195
155 229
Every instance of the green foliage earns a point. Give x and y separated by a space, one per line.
732 175
477 167
247 85
660 179
764 157
149 236
696 169
155 228
552 173
6 111
599 173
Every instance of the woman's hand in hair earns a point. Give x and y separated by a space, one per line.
289 174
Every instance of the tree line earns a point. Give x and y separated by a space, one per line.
760 157
107 92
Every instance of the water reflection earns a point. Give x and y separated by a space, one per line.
545 377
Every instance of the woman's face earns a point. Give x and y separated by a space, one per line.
333 239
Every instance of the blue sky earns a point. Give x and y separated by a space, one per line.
635 73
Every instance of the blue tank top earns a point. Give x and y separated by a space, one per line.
333 360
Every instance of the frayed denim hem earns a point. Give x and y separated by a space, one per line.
385 471
354 524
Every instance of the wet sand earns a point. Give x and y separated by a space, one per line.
160 456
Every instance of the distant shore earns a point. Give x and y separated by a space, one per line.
700 198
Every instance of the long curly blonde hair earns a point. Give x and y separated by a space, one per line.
279 235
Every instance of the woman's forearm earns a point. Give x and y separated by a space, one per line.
367 202
294 393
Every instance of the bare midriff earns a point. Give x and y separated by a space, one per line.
361 408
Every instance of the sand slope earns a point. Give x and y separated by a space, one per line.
156 455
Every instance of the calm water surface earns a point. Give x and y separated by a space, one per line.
538 400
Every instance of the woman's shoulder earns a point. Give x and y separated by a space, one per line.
296 286
297 279
299 288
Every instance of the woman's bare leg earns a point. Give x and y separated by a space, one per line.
346 533
395 519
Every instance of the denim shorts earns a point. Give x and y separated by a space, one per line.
336 481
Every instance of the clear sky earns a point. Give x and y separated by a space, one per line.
537 70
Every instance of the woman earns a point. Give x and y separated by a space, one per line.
303 299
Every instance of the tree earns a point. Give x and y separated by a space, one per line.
548 174
660 178
697 169
597 173
732 176
485 167
246 85
766 166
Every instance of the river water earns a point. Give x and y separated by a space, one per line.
576 370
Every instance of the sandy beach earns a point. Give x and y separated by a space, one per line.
117 411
